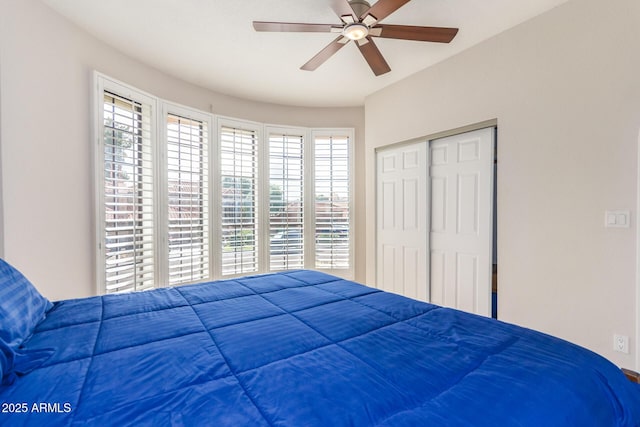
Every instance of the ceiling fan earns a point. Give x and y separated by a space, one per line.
361 22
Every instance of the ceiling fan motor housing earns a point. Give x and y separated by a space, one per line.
359 7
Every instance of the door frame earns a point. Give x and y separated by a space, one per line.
637 361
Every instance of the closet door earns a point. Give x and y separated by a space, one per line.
402 220
462 220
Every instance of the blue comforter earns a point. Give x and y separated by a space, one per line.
303 348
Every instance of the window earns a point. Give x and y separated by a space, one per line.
332 201
188 199
286 201
127 220
177 203
239 196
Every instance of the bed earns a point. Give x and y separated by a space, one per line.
298 348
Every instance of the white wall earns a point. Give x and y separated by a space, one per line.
47 66
565 89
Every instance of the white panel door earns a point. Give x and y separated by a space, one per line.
461 234
402 220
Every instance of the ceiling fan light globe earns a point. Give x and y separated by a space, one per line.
355 31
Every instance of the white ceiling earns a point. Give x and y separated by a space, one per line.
212 43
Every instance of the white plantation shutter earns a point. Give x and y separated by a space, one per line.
187 199
239 181
128 195
332 201
286 201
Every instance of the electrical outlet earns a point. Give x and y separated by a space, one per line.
621 343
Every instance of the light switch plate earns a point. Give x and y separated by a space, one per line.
617 219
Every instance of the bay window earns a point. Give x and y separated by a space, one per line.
177 203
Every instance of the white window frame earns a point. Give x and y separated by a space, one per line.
350 134
258 128
167 108
307 190
158 134
103 83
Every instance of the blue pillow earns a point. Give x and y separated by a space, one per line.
21 306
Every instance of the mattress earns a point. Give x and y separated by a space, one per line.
303 348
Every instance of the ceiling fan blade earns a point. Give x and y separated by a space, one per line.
410 32
373 56
292 27
342 8
383 8
324 54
